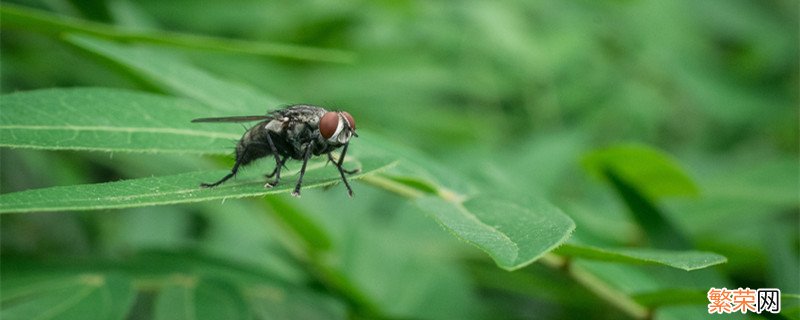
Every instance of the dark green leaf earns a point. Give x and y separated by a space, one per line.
82 296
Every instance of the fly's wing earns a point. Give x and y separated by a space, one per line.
234 119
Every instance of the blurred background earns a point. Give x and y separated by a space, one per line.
511 94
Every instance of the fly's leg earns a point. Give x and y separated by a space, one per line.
306 156
341 160
275 171
342 171
228 176
278 164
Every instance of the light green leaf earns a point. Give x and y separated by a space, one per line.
513 235
173 74
645 168
109 120
686 260
83 296
180 188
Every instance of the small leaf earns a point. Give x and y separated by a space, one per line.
659 230
686 260
513 235
83 296
641 175
109 120
180 188
645 168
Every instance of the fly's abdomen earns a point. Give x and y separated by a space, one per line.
253 145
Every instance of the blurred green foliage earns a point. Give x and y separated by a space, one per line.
687 112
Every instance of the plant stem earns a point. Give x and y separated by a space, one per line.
596 285
392 186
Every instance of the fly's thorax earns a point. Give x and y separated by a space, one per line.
276 125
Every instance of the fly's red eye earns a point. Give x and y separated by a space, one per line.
350 120
328 124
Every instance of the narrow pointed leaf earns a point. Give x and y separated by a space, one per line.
686 260
180 188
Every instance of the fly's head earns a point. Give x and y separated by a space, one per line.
337 127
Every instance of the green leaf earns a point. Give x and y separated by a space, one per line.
647 169
659 230
173 74
109 120
513 235
314 237
83 296
641 175
191 298
180 188
686 260
50 24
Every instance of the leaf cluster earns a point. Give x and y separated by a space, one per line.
517 160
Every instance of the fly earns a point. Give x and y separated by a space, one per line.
297 132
